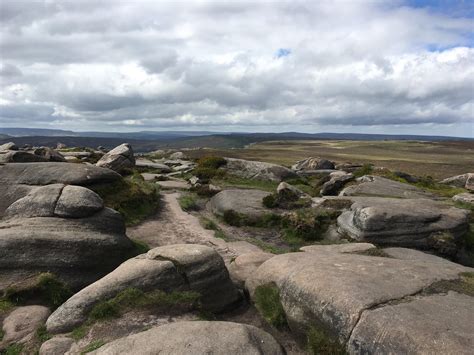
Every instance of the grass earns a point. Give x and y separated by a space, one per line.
188 202
270 248
132 298
373 252
79 332
236 219
96 344
320 342
42 334
5 305
366 169
133 197
2 334
267 301
208 224
12 349
234 181
140 247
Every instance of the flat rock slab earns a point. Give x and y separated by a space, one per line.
52 173
464 198
145 163
258 170
369 185
245 265
245 202
21 324
199 337
437 324
329 286
174 184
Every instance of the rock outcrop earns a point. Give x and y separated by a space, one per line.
199 337
8 146
21 324
244 266
183 267
313 163
336 182
19 156
244 202
354 297
49 154
258 170
118 159
465 181
58 345
466 197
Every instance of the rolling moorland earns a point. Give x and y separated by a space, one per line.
283 246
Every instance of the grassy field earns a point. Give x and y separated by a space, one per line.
436 159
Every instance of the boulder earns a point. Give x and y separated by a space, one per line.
369 185
409 178
313 163
245 265
77 155
198 337
145 163
245 202
349 167
319 173
257 170
182 267
401 222
21 324
58 345
49 154
51 173
178 156
8 146
336 182
464 198
11 193
19 156
435 324
465 181
470 183
60 145
64 230
118 159
290 190
331 286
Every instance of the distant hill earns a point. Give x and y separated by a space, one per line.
4 136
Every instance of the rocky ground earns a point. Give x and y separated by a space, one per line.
230 256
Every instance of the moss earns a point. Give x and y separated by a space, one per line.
465 285
270 201
267 301
133 197
79 332
96 344
42 334
47 289
140 247
5 305
12 349
221 235
320 342
235 181
373 252
188 202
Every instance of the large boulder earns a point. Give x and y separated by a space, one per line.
58 345
244 202
19 156
118 159
49 154
330 287
64 230
465 197
336 182
465 181
402 222
257 170
182 267
199 337
145 163
21 324
313 163
243 266
8 146
369 185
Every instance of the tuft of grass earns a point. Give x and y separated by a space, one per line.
188 202
267 301
133 197
320 342
140 247
236 219
206 223
96 344
13 349
221 235
79 332
373 252
234 181
5 305
366 169
267 246
2 334
42 334
212 162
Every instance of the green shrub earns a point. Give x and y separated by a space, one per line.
320 342
307 224
12 349
267 301
365 169
42 334
270 201
5 305
79 332
233 218
188 203
211 162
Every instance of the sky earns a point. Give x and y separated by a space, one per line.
393 67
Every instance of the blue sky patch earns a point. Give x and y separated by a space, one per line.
283 52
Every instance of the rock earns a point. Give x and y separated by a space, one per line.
244 202
18 156
51 173
145 163
336 182
12 193
78 249
78 155
401 222
349 167
182 267
185 167
118 159
435 324
290 190
193 180
331 286
214 188
8 146
245 265
49 154
317 173
21 324
369 185
464 198
257 170
174 184
61 145
198 337
464 181
313 163
178 156
409 178
58 345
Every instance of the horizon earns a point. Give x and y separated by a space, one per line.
402 67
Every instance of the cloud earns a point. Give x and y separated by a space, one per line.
260 65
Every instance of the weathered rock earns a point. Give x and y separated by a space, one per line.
336 182
193 180
8 146
19 156
11 193
470 183
52 173
349 167
118 159
378 186
78 155
409 178
179 267
401 222
320 173
464 181
331 286
49 154
21 324
290 190
436 324
58 345
258 170
464 198
60 145
313 163
245 265
145 163
178 155
77 202
199 337
244 202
